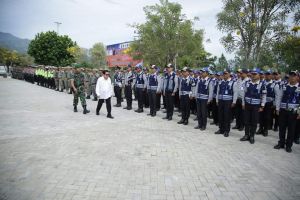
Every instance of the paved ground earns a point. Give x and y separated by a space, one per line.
49 152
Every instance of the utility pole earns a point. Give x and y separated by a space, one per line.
57 27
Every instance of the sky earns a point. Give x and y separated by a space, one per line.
91 21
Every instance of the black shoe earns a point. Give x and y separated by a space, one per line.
85 111
265 133
139 110
241 128
110 116
169 118
296 141
95 99
203 129
97 113
88 97
153 115
181 121
288 149
196 127
259 132
218 132
226 134
125 107
251 140
186 122
129 108
236 127
278 146
117 105
245 138
75 109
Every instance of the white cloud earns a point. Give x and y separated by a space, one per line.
91 21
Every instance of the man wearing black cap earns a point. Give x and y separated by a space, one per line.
226 99
129 77
253 102
118 86
288 108
170 86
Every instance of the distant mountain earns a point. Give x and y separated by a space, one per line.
12 42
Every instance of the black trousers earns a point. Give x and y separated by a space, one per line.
224 111
193 106
140 97
128 95
177 100
239 114
297 130
202 112
108 105
215 114
169 104
185 106
158 97
118 94
287 121
265 117
152 101
251 116
146 99
276 120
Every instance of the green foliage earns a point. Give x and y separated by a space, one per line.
222 63
98 53
10 58
250 25
288 51
49 48
168 35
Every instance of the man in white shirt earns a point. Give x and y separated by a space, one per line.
104 91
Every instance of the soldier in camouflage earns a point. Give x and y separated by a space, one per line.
77 83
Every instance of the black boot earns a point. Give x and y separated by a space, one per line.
186 122
252 133
181 121
247 133
260 131
85 111
110 116
265 133
75 109
88 97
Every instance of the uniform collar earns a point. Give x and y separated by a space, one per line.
257 82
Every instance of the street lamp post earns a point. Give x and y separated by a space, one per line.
57 26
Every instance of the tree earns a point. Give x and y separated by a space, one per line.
167 35
288 51
98 55
252 24
222 63
52 49
10 58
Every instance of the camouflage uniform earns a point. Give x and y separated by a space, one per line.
79 85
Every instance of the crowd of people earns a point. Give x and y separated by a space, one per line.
258 100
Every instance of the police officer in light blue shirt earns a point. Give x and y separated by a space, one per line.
185 93
170 86
288 109
204 95
118 86
140 86
153 88
254 99
226 99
